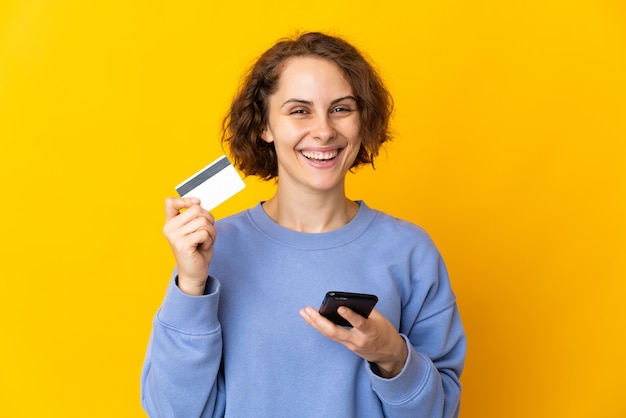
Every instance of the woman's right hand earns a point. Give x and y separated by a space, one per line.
190 231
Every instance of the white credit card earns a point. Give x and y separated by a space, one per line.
213 184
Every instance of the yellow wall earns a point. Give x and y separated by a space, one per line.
510 150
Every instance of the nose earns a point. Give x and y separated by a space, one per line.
323 129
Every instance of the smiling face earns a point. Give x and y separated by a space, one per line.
313 121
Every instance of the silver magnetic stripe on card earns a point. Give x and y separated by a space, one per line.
218 166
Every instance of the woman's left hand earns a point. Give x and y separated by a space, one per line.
374 338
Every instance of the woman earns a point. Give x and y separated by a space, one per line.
228 340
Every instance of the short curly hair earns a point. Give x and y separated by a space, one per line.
248 114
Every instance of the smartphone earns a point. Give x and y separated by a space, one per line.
360 303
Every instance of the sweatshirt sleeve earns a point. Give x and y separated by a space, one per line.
429 384
180 375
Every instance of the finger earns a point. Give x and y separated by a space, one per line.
207 243
173 205
355 319
198 242
203 233
201 239
200 228
323 325
190 214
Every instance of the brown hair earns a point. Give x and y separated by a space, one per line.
247 117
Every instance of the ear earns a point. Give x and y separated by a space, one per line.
266 135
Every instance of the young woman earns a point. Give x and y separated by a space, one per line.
239 333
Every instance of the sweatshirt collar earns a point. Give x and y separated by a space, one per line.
312 241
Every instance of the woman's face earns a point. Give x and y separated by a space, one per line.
314 122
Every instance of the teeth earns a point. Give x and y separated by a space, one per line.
316 155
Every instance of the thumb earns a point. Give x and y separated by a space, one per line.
352 317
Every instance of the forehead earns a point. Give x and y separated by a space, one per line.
312 74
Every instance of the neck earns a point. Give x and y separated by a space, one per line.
311 213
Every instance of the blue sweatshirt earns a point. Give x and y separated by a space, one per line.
242 350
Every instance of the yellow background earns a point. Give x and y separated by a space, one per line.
510 150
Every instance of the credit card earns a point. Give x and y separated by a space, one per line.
214 184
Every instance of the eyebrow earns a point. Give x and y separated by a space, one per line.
310 103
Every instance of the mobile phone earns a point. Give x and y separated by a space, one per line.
360 303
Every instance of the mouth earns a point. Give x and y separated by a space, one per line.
320 156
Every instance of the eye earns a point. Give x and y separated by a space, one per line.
341 109
298 111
